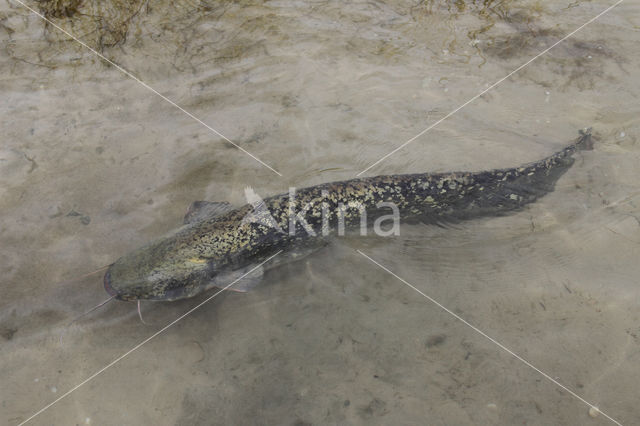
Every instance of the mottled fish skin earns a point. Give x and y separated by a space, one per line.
187 262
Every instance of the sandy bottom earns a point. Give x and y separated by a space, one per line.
92 165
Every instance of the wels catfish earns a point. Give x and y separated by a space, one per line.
219 244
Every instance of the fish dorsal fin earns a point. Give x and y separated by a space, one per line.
200 210
245 282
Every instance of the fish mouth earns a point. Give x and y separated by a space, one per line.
107 284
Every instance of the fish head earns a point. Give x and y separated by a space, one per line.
163 270
193 259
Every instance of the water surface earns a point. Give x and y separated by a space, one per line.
92 165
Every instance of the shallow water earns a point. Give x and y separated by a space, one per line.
92 165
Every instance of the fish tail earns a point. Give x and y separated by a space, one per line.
584 142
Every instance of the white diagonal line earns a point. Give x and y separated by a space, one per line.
112 363
146 86
500 345
492 86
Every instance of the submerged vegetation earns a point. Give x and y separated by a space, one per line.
98 23
187 34
59 8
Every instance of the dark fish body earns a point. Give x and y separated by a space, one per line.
222 245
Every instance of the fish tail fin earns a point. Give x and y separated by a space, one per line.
584 142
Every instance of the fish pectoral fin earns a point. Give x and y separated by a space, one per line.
200 210
246 280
